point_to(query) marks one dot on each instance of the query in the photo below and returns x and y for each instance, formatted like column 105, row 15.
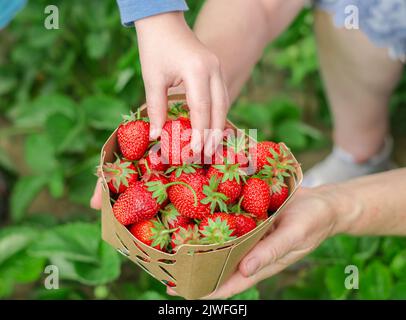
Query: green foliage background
column 63, row 91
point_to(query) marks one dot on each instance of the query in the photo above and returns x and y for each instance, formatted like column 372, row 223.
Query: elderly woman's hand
column 305, row 222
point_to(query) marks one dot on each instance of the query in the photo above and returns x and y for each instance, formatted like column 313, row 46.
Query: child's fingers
column 96, row 200
column 199, row 101
column 156, row 96
column 219, row 107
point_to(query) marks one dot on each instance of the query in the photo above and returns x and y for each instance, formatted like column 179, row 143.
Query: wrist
column 345, row 208
column 161, row 22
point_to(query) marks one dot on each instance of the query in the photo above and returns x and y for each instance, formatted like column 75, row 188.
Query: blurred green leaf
column 399, row 291
column 250, row 294
column 74, row 241
column 23, row 193
column 290, row 132
column 398, row 265
column 335, row 278
column 104, row 112
column 23, row 268
column 79, row 253
column 59, row 127
column 375, row 282
column 38, row 111
column 82, row 184
column 59, row 294
column 97, row 44
column 6, row 162
column 40, row 154
column 56, row 183
column 7, row 84
column 367, row 248
column 15, row 239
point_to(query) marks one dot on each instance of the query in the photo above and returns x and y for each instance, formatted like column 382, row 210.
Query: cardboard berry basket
column 195, row 270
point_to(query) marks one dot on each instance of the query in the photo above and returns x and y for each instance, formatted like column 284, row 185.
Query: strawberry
column 185, row 235
column 172, row 219
column 175, row 141
column 218, row 228
column 152, row 164
column 280, row 166
column 133, row 137
column 256, row 197
column 169, row 283
column 135, row 204
column 278, row 197
column 236, row 149
column 119, row 175
column 188, row 200
column 261, row 217
column 244, row 224
column 151, row 232
column 230, row 181
column 263, row 152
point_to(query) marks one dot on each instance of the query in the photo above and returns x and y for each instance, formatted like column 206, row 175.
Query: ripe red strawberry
column 152, row 164
column 175, row 141
column 278, row 197
column 230, row 181
column 187, row 200
column 279, row 167
column 185, row 235
column 151, row 232
column 256, row 196
column 135, row 204
column 172, row 219
column 244, row 224
column 119, row 175
column 218, row 228
column 164, row 182
column 235, row 149
column 261, row 218
column 169, row 283
column 265, row 150
column 133, row 137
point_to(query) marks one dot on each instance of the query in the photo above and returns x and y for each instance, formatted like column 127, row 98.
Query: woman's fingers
column 96, row 200
column 156, row 96
column 269, row 250
column 236, row 284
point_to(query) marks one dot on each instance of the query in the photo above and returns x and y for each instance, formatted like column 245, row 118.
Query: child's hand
column 171, row 55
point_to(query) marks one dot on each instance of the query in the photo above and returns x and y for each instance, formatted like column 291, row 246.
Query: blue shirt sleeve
column 133, row 10
column 8, row 9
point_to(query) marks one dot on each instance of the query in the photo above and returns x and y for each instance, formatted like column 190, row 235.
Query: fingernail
column 153, row 133
column 252, row 266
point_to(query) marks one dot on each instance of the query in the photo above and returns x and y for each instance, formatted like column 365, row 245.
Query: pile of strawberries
column 166, row 198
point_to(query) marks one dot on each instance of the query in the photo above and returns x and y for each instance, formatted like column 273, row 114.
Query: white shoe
column 340, row 166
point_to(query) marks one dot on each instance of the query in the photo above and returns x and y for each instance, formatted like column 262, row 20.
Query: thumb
column 269, row 250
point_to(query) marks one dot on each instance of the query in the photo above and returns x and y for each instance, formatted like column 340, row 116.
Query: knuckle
column 198, row 65
column 200, row 105
column 214, row 61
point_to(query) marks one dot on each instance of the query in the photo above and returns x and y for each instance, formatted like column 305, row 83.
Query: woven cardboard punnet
column 196, row 270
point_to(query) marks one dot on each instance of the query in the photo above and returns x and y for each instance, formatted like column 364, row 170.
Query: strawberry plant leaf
column 23, row 193
column 375, row 282
column 75, row 241
column 103, row 112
